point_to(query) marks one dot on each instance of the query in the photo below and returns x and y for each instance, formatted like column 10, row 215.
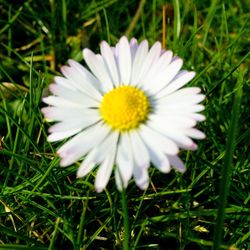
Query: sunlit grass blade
column 177, row 21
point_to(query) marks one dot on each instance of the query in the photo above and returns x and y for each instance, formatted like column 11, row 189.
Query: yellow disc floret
column 124, row 108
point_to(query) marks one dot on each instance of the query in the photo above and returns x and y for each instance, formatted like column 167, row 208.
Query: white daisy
column 127, row 111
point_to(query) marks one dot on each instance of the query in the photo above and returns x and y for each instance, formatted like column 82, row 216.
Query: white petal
column 103, row 149
column 58, row 136
column 73, row 95
column 177, row 163
column 62, row 103
column 197, row 117
column 67, row 113
column 153, row 137
column 79, row 145
column 124, row 60
column 178, row 109
column 139, row 150
column 98, row 154
column 157, row 157
column 148, row 63
column 176, row 135
column 124, row 162
column 141, row 177
column 115, row 53
column 172, row 121
column 139, row 59
column 180, row 80
column 82, row 140
column 84, row 169
column 133, row 48
column 80, row 83
column 166, row 58
column 156, row 68
column 86, row 75
column 77, row 123
column 110, row 62
column 185, row 101
column 118, row 180
column 194, row 133
column 191, row 147
column 105, row 169
column 64, row 82
column 99, row 69
column 181, row 97
column 165, row 77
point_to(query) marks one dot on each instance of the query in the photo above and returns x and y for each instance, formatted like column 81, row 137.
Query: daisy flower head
column 126, row 111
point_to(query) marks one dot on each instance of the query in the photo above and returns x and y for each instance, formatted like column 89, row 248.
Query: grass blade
column 228, row 164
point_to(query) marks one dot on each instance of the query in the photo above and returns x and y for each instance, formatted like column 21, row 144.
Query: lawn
column 44, row 206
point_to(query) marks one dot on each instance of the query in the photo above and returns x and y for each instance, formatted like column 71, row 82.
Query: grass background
column 43, row 206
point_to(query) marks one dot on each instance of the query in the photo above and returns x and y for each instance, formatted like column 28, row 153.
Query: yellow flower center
column 124, row 108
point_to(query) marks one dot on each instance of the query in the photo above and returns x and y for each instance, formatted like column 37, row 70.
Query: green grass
column 44, row 206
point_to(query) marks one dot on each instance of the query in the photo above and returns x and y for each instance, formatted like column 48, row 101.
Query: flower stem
column 126, row 220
